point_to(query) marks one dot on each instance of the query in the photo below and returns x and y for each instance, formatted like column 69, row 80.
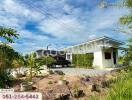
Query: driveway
column 81, row 71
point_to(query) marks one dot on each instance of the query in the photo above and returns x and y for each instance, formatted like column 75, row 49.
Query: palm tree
column 32, row 64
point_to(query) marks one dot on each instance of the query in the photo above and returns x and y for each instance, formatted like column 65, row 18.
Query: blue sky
column 59, row 22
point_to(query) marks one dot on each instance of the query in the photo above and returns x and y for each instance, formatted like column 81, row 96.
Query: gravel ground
column 81, row 71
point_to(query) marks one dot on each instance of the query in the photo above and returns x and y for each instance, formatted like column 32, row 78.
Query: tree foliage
column 128, row 3
column 127, row 19
column 129, row 51
column 7, row 56
column 8, row 34
column 127, row 57
column 30, row 63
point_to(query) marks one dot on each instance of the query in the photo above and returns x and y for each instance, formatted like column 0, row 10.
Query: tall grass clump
column 122, row 88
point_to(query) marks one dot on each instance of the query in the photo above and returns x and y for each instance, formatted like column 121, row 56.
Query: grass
column 120, row 88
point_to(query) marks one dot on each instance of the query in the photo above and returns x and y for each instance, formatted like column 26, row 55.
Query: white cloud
column 61, row 28
column 33, row 36
column 75, row 26
column 71, row 28
column 17, row 9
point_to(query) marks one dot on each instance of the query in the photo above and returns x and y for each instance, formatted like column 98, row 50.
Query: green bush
column 5, row 80
column 46, row 60
column 50, row 82
column 82, row 60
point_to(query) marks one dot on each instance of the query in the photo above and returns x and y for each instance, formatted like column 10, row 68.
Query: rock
column 62, row 97
column 79, row 94
column 85, row 79
column 26, row 86
column 62, row 82
column 90, row 86
column 96, row 87
column 50, row 72
column 51, row 90
column 59, row 72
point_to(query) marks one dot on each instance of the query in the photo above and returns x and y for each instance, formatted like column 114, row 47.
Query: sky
column 60, row 23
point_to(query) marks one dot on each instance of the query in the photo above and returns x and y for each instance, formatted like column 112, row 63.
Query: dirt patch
column 51, row 90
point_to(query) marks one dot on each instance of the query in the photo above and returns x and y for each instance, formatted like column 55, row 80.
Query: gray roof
column 106, row 38
column 98, row 39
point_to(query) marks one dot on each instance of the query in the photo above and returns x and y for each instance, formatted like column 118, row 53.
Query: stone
column 59, row 72
column 26, row 86
column 79, row 94
column 62, row 82
column 62, row 97
column 96, row 87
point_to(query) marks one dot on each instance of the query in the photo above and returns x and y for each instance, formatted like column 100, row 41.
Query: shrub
column 50, row 82
column 82, row 60
column 6, row 80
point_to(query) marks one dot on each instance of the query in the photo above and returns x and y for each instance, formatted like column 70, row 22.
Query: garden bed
column 75, row 87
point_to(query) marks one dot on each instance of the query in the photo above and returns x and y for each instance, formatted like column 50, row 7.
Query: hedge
column 82, row 60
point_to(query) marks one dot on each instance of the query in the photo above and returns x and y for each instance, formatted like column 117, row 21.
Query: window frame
column 107, row 55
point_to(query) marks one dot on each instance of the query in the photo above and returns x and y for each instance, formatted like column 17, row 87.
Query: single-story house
column 104, row 49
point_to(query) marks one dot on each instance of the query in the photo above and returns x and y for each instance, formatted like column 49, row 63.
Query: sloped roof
column 106, row 38
column 99, row 39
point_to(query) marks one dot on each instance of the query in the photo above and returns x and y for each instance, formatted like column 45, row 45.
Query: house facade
column 104, row 49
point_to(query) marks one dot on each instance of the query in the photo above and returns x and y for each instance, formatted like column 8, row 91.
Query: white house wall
column 108, row 62
column 97, row 48
column 97, row 62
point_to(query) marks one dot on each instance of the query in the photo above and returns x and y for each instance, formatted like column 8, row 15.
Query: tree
column 129, row 52
column 32, row 64
column 7, row 55
column 8, row 34
column 127, row 19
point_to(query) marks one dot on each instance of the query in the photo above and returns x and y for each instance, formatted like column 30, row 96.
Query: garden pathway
column 82, row 71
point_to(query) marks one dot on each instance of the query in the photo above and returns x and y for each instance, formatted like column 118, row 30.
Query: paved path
column 81, row 71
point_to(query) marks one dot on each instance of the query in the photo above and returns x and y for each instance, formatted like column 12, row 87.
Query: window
column 107, row 55
column 68, row 57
